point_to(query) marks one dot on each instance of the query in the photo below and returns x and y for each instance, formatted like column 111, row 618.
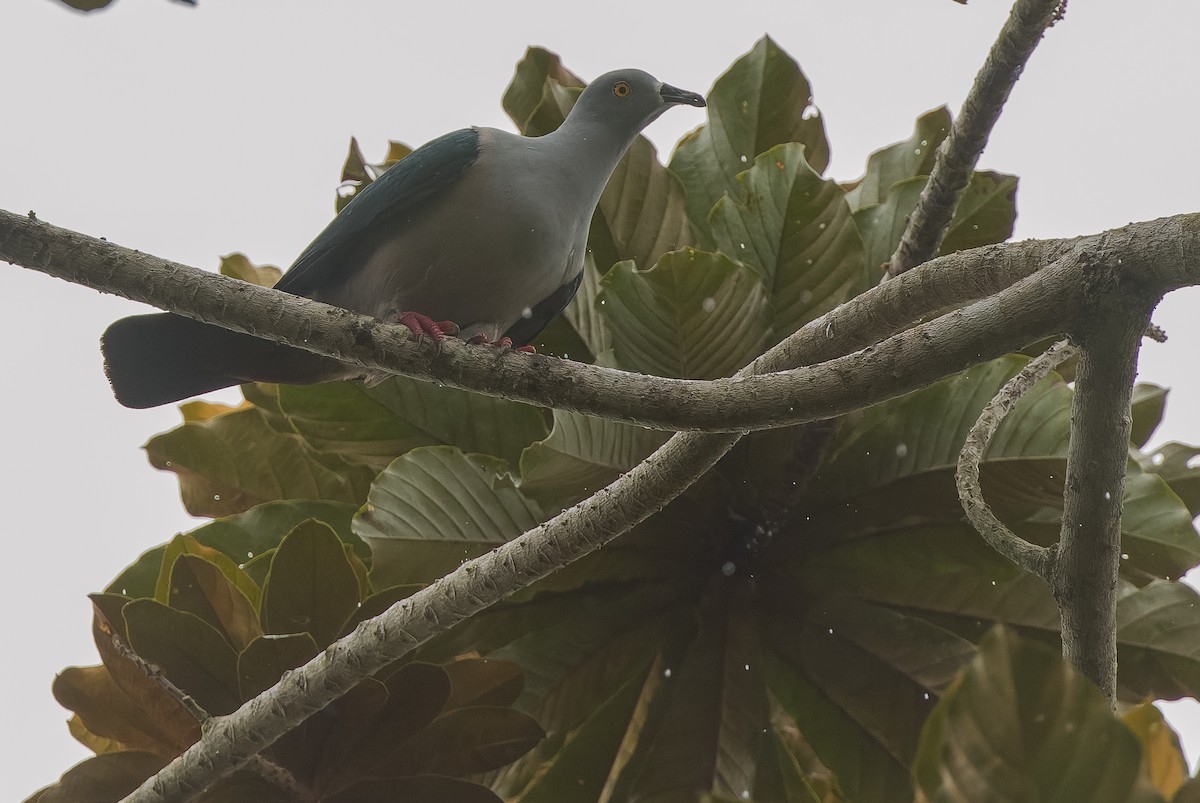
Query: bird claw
column 422, row 326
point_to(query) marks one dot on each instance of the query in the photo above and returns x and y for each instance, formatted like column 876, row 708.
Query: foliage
column 222, row 634
column 805, row 623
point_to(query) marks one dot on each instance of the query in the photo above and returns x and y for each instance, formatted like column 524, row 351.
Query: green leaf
column 435, row 507
column 986, row 213
column 378, row 424
column 1174, row 463
column 383, row 745
column 311, row 587
column 186, row 544
column 797, row 230
column 583, row 454
column 1149, row 402
column 262, row 663
column 1022, row 725
column 641, row 214
column 100, row 779
column 470, row 740
column 190, row 652
column 763, row 100
column 200, row 588
column 481, row 681
column 694, row 315
column 525, row 92
column 902, row 160
column 1158, row 641
column 231, row 462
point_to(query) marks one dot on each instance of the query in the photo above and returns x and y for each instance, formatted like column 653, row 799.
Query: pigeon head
column 630, row 99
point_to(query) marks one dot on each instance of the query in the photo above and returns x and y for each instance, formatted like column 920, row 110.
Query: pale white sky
column 193, row 132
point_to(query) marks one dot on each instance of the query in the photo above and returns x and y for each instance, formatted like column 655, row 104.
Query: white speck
column 346, row 190
column 901, row 449
column 1124, row 556
column 747, row 667
column 808, row 262
column 744, row 159
column 249, row 554
column 167, row 464
column 993, row 582
column 666, row 673
column 742, row 246
column 975, row 226
column 602, row 302
column 527, row 313
column 728, row 568
column 917, row 151
column 831, row 631
column 925, row 695
column 1107, row 496
column 1157, row 459
column 810, row 111
column 805, row 296
column 709, row 304
column 924, row 142
column 821, row 226
column 216, row 497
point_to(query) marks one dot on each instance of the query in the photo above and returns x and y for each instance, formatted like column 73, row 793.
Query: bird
column 479, row 233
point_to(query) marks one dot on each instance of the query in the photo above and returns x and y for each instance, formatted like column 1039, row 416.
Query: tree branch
column 960, row 152
column 1085, row 570
column 1162, row 254
column 1030, row 557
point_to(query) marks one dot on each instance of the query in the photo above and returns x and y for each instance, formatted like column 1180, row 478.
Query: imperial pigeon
column 479, row 233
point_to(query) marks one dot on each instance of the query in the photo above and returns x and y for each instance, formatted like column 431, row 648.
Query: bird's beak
column 673, row 96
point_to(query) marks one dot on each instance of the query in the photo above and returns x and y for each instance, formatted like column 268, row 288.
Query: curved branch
column 1161, row 254
column 960, row 152
column 1031, row 557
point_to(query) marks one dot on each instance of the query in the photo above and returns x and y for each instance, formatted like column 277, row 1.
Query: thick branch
column 960, row 152
column 1031, row 557
column 1085, row 571
column 1161, row 254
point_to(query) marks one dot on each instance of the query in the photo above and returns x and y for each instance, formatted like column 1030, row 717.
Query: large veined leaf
column 1022, row 725
column 902, row 160
column 797, row 230
column 435, row 507
column 583, row 454
column 763, row 100
column 985, row 215
column 375, row 425
column 1176, row 464
column 230, row 462
column 694, row 315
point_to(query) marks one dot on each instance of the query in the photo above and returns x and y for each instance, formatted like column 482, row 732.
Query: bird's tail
column 157, row 359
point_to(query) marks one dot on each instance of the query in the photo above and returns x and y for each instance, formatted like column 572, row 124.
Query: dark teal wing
column 383, row 208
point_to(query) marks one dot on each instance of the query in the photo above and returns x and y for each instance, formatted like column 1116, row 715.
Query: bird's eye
column 622, row 89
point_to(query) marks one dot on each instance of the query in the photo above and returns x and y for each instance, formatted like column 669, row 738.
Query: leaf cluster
column 210, row 635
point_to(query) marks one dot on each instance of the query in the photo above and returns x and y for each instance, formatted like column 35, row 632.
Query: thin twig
column 960, row 152
column 1031, row 557
column 267, row 769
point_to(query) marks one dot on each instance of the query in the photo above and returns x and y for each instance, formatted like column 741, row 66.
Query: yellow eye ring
column 622, row 89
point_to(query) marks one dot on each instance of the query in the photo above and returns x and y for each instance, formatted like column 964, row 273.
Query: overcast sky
column 193, row 132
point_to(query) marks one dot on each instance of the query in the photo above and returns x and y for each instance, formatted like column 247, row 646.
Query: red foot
column 422, row 325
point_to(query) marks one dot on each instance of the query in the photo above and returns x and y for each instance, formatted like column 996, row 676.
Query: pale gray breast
column 512, row 231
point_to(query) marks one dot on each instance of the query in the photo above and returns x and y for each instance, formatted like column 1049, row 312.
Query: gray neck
column 590, row 147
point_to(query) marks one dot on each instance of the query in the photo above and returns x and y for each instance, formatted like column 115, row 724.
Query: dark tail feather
column 158, row 359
